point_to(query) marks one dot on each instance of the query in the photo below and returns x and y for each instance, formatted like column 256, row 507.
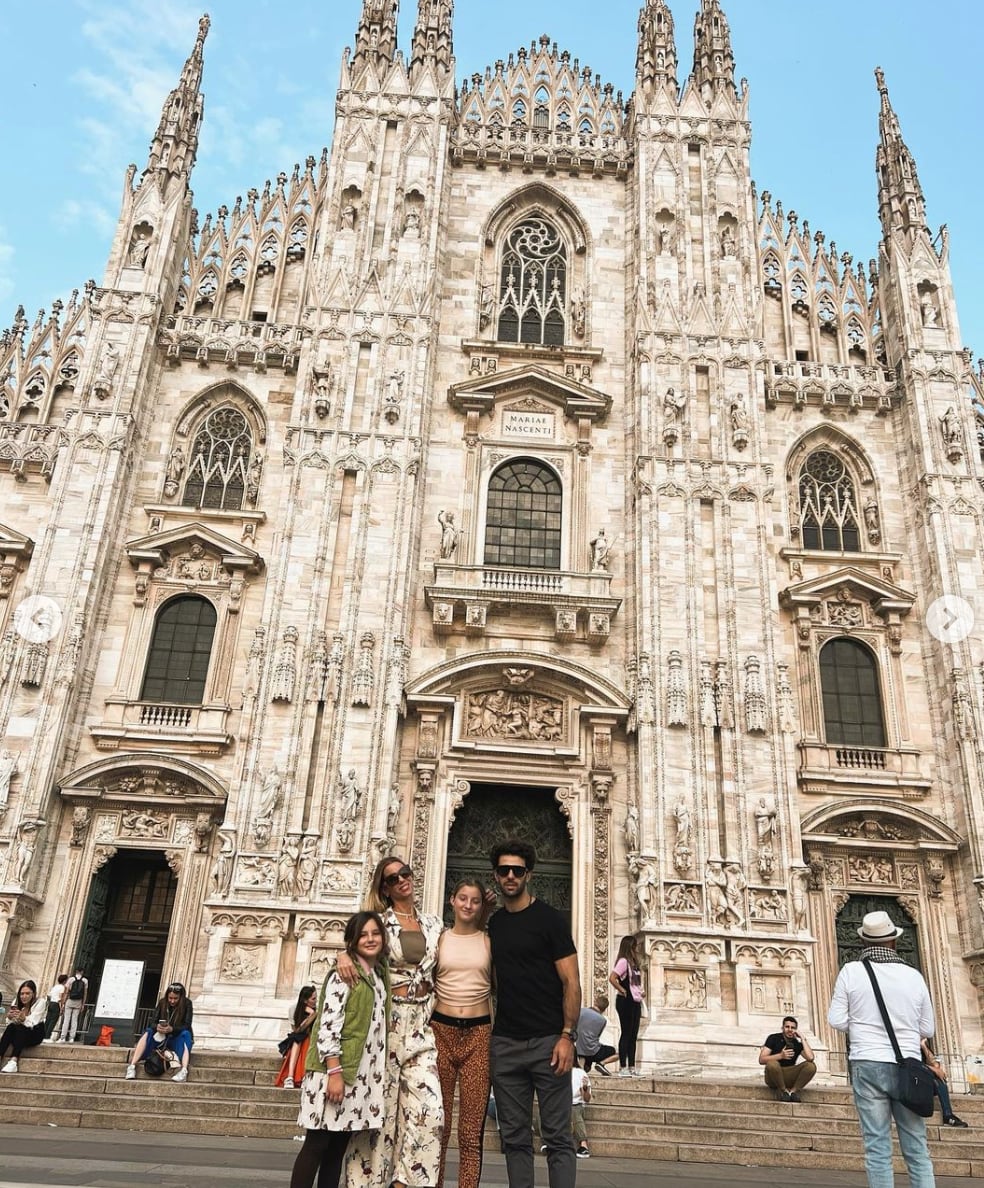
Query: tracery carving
column 676, row 694
column 364, row 678
column 285, row 669
column 756, row 720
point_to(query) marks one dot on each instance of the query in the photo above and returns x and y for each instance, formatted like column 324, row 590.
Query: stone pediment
column 160, row 547
column 136, row 779
column 850, row 584
column 578, row 401
column 881, row 823
column 14, row 544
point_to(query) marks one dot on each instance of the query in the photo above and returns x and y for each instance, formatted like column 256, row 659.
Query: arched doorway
column 493, row 812
column 128, row 917
column 849, row 944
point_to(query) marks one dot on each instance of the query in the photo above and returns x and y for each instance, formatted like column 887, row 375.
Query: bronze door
column 849, row 944
column 494, row 812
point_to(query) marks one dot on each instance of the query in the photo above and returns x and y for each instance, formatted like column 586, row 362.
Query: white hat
column 878, row 926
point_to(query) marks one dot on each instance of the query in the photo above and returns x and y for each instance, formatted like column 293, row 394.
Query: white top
column 853, row 1009
column 579, row 1078
column 57, row 992
column 36, row 1014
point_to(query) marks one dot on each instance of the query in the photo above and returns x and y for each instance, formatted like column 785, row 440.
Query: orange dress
column 298, row 1064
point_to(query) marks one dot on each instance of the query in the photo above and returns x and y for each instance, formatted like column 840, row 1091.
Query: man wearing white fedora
column 854, row 1009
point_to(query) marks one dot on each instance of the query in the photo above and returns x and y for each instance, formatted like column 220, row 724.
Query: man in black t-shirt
column 779, row 1054
column 538, row 999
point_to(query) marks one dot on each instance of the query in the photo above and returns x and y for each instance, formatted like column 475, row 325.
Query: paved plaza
column 49, row 1157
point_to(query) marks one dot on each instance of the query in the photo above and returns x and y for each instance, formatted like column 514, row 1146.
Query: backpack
column 76, row 990
column 154, row 1063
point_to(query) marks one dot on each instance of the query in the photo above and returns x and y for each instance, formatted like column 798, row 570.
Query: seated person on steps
column 940, row 1087
column 779, row 1054
column 590, row 1024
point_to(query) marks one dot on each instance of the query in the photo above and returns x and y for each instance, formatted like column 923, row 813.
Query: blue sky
column 84, row 81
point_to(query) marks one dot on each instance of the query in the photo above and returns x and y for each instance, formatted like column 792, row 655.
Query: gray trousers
column 521, row 1068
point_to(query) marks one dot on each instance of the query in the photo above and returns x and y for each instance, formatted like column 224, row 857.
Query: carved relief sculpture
column 8, row 768
column 285, row 669
column 735, row 890
column 267, row 805
column 109, row 364
column 333, row 671
column 645, row 702
column 134, row 823
column 349, row 795
column 35, row 664
column 317, row 668
column 799, row 880
column 202, row 830
column 504, row 714
column 631, row 828
column 307, row 867
column 765, row 829
column 253, row 476
column 721, row 910
column 683, row 855
column 286, row 865
column 81, row 818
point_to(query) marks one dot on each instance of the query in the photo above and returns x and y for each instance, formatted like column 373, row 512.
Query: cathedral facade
column 515, row 468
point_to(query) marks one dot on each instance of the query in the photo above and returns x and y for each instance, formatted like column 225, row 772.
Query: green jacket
column 355, row 1027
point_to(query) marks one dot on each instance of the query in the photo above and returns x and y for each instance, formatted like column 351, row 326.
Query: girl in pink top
column 626, row 977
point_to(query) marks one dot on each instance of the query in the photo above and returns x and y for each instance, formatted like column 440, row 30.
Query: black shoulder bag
column 914, row 1080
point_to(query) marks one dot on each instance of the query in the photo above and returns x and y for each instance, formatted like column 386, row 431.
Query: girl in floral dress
column 343, row 1090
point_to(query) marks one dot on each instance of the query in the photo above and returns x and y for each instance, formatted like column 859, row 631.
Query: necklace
column 405, row 915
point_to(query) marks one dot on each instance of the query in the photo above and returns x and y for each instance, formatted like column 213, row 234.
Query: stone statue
column 665, row 239
column 307, row 866
column 449, row 535
column 393, row 398
column 673, row 405
column 735, row 883
column 577, row 311
column 222, row 870
column 930, row 314
column 289, row 853
column 486, row 306
column 139, row 247
column 108, row 365
column 23, row 855
column 631, row 828
column 950, row 425
column 683, row 822
column 765, row 821
column 799, row 878
column 739, row 413
column 347, row 221
column 8, row 767
column 393, row 810
column 174, row 472
column 411, row 224
column 727, row 241
column 716, row 883
column 600, row 548
column 646, row 885
column 349, row 795
column 269, row 797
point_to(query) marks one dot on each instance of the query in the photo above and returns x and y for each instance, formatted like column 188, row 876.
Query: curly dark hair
column 513, row 845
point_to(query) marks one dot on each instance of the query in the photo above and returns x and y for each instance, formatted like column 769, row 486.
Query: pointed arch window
column 180, row 650
column 219, row 462
column 828, row 505
column 523, row 517
column 852, row 705
column 533, row 285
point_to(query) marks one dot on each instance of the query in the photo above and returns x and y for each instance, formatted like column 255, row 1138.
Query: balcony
column 841, row 768
column 463, row 597
column 194, row 729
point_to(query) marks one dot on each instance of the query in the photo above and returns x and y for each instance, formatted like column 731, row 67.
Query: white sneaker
column 131, row 1073
column 180, row 1076
column 638, row 1072
column 625, row 1072
column 289, row 1083
column 10, row 1066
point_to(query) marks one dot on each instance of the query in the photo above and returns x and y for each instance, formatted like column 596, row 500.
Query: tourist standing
column 626, row 977
column 343, row 1090
column 538, row 998
column 56, row 999
column 73, row 1005
column 874, row 1071
column 462, row 1024
column 406, row 1151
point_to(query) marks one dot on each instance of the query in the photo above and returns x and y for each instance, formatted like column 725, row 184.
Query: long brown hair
column 377, row 900
column 487, row 907
column 353, row 931
column 628, row 947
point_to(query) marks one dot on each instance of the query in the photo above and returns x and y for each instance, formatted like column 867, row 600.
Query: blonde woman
column 406, row 1152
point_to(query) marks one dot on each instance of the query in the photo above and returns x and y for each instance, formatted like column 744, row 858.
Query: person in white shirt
column 874, row 1071
column 581, row 1090
column 56, row 996
column 25, row 1024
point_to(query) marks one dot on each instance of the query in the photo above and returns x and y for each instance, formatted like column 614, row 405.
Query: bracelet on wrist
column 334, row 1070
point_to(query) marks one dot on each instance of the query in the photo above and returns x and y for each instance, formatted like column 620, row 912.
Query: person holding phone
column 25, row 1024
column 779, row 1055
column 298, row 1039
column 171, row 1032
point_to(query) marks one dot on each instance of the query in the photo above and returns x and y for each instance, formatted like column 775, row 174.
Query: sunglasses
column 391, row 880
column 507, row 868
column 177, row 988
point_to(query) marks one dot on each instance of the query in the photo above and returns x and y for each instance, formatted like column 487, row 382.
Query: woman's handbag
column 914, row 1079
column 154, row 1063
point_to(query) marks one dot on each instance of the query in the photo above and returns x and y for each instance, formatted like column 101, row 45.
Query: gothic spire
column 175, row 143
column 901, row 205
column 375, row 40
column 714, row 63
column 432, row 39
column 656, row 59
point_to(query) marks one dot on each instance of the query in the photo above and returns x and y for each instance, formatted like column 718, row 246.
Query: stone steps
column 689, row 1121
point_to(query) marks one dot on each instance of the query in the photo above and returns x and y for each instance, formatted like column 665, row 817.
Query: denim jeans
column 873, row 1081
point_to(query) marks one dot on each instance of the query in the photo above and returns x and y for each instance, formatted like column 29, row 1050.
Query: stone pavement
column 51, row 1157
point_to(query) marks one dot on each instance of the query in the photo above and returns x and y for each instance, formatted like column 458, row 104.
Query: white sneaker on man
column 131, row 1072
column 180, row 1076
column 10, row 1066
column 289, row 1083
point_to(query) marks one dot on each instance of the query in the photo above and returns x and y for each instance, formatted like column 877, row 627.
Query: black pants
column 322, row 1155
column 629, row 1016
column 17, row 1037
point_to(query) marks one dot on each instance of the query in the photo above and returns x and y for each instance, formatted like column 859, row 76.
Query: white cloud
column 84, row 215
